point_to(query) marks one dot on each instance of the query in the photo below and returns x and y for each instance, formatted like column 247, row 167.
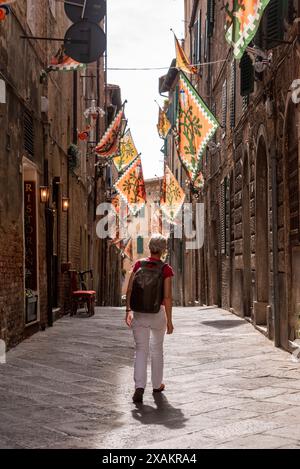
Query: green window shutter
column 224, row 106
column 273, row 23
column 210, row 17
column 222, row 215
column 232, row 94
column 247, row 75
column 140, row 245
column 195, row 42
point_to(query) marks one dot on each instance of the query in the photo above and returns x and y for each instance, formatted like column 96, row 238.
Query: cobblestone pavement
column 227, row 387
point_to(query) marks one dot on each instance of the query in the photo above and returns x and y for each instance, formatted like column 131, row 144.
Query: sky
column 139, row 36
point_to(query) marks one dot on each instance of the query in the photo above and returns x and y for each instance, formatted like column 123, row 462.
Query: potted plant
column 73, row 155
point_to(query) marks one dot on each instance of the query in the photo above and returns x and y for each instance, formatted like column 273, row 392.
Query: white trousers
column 149, row 332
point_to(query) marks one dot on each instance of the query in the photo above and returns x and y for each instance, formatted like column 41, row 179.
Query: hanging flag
column 62, row 62
column 128, row 152
column 164, row 125
column 121, row 209
column 197, row 180
column 83, row 135
column 110, row 142
column 131, row 187
column 243, row 18
column 182, row 62
column 128, row 249
column 195, row 126
column 172, row 196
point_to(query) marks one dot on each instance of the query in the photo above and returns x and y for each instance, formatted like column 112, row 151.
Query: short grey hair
column 157, row 243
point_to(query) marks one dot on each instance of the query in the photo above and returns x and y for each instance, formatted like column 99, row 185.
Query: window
column 28, row 133
column 247, row 75
column 224, row 106
column 232, row 94
column 210, row 17
column 140, row 245
column 195, row 43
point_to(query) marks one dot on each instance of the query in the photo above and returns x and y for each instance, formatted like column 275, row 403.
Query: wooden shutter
column 222, row 208
column 273, row 24
column 227, row 216
column 199, row 51
column 224, row 106
column 210, row 17
column 140, row 245
column 195, row 43
column 247, row 75
column 232, row 94
column 28, row 133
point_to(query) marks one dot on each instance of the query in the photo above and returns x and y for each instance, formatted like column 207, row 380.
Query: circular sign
column 91, row 10
column 85, row 42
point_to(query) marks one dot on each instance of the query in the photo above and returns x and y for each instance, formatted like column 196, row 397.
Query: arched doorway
column 262, row 235
column 247, row 300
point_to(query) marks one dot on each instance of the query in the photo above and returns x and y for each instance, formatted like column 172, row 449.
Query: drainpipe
column 49, row 231
column 274, row 162
column 275, row 248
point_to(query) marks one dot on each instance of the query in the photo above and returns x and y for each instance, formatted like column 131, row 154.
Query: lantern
column 44, row 194
column 65, row 204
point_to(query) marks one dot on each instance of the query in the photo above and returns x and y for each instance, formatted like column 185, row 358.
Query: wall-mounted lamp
column 65, row 204
column 44, row 194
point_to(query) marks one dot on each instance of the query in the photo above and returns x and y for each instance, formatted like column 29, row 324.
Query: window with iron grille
column 28, row 133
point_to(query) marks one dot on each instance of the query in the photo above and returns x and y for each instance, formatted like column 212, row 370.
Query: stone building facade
column 250, row 262
column 40, row 116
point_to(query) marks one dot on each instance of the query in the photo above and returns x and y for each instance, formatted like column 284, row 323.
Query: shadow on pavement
column 163, row 414
column 223, row 324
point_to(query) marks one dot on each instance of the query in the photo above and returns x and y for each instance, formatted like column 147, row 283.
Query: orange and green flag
column 128, row 249
column 128, row 152
column 109, row 144
column 131, row 186
column 63, row 63
column 243, row 19
column 172, row 197
column 182, row 62
column 195, row 127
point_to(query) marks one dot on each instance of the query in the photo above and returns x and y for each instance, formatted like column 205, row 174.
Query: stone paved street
column 227, row 387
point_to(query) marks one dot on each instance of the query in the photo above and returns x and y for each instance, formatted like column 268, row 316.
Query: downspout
column 49, row 231
column 274, row 163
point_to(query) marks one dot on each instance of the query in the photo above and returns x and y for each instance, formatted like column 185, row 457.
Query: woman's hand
column 170, row 327
column 129, row 318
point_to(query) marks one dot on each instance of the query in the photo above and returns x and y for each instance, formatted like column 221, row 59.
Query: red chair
column 83, row 296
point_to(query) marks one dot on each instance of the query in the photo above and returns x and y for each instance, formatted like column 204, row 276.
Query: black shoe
column 138, row 395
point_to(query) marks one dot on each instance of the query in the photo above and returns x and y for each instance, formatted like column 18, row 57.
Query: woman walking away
column 149, row 314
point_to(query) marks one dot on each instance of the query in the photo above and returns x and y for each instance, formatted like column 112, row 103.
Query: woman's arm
column 168, row 302
column 129, row 315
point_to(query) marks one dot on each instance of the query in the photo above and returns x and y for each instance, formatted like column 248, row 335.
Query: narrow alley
column 226, row 387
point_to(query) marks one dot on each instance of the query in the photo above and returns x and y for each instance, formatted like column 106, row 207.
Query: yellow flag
column 172, row 196
column 164, row 124
column 128, row 152
column 182, row 62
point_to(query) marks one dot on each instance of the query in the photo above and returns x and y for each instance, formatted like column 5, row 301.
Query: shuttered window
column 140, row 245
column 28, row 133
column 195, row 42
column 210, row 17
column 232, row 94
column 274, row 28
column 293, row 178
column 222, row 208
column 247, row 75
column 224, row 106
column 199, row 53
